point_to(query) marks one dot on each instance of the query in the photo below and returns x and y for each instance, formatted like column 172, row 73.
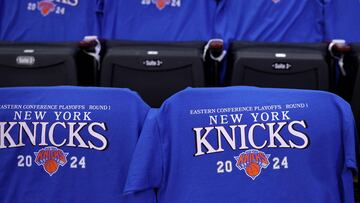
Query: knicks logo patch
column 252, row 162
column 46, row 7
column 50, row 158
column 161, row 4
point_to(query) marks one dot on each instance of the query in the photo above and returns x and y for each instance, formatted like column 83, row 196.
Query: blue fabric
column 48, row 20
column 246, row 144
column 270, row 20
column 95, row 129
column 342, row 20
column 159, row 20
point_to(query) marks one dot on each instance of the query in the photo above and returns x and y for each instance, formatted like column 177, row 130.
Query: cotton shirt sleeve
column 349, row 137
column 146, row 168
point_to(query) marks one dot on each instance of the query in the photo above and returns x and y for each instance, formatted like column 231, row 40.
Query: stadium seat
column 26, row 64
column 355, row 101
column 44, row 64
column 354, row 77
column 154, row 70
column 247, row 144
column 286, row 65
column 74, row 142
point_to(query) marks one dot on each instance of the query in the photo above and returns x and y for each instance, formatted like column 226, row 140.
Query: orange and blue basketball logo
column 252, row 162
column 161, row 4
column 50, row 158
column 46, row 7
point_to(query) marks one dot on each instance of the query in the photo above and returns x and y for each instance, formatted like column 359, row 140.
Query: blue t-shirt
column 48, row 20
column 270, row 20
column 68, row 144
column 159, row 20
column 246, row 144
column 342, row 20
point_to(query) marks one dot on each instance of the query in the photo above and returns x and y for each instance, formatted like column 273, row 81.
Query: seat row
column 233, row 144
column 158, row 70
column 180, row 20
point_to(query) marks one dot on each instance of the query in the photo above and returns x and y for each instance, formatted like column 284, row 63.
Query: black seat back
column 285, row 65
column 38, row 64
column 354, row 78
column 154, row 70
